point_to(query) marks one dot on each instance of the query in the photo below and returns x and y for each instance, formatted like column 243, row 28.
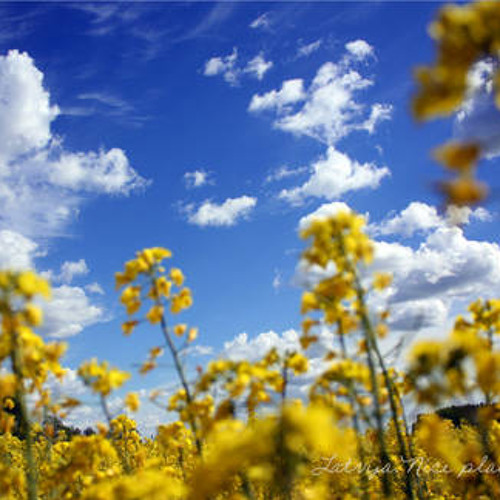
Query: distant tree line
column 59, row 428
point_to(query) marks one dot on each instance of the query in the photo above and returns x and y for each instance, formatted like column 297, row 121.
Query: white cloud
column 241, row 347
column 415, row 315
column 228, row 213
column 277, row 280
column 16, row 251
column 360, row 49
column 25, row 110
column 330, row 111
column 94, row 288
column 446, row 264
column 334, row 175
column 225, row 66
column 69, row 312
column 71, row 269
column 41, row 183
column 419, row 216
column 258, row 66
column 415, row 217
column 261, row 22
column 103, row 172
column 439, row 276
column 284, row 172
column 307, row 50
column 197, row 178
column 228, row 67
column 292, row 91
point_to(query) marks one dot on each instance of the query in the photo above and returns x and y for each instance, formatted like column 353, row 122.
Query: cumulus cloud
column 415, row 315
column 69, row 312
column 71, row 269
column 329, row 110
column 291, row 91
column 17, row 251
column 241, row 347
column 197, row 178
column 42, row 183
column 334, row 175
column 227, row 213
column 360, row 49
column 431, row 280
column 420, row 217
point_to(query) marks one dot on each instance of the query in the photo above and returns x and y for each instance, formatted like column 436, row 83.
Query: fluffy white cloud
column 415, row 315
column 330, row 111
column 69, row 312
column 307, row 50
column 334, row 175
column 16, row 251
column 42, row 183
column 102, row 172
column 419, row 216
column 225, row 66
column 432, row 280
column 71, row 269
column 25, row 110
column 241, row 347
column 226, row 214
column 291, row 91
column 258, row 66
column 446, row 264
column 197, row 178
column 360, row 49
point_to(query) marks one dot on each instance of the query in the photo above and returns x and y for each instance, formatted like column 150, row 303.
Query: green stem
column 179, row 368
column 25, row 423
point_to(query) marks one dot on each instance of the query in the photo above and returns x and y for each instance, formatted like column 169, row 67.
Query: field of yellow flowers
column 349, row 438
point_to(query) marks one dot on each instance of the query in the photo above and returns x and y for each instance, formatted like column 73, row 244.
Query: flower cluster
column 465, row 34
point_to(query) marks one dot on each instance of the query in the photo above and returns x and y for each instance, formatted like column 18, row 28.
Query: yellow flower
column 132, row 401
column 180, row 329
column 176, row 276
column 298, row 363
column 29, row 284
column 128, row 326
column 33, row 315
column 457, row 155
column 155, row 352
column 382, row 330
column 192, row 334
column 163, row 286
column 155, row 314
column 147, row 366
column 382, row 280
column 464, row 191
column 309, row 302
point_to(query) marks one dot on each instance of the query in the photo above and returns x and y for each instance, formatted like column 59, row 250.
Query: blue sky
column 213, row 129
